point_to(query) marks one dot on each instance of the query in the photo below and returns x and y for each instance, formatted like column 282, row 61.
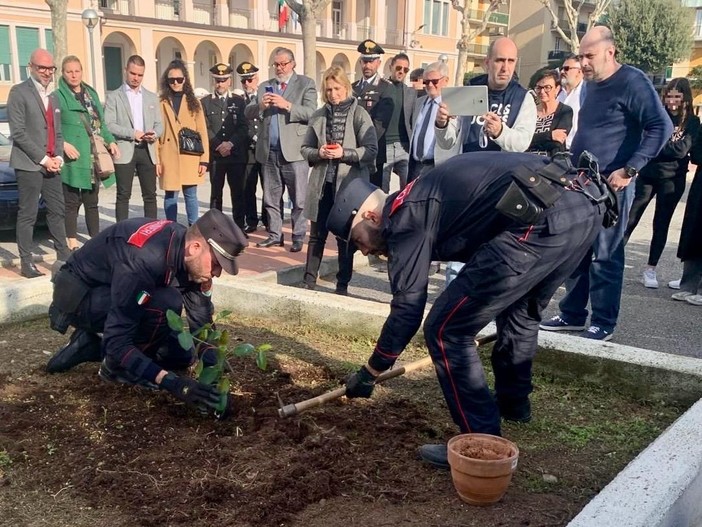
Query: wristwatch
column 630, row 172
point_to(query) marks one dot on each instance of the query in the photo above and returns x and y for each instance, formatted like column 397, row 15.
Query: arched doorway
column 321, row 68
column 206, row 55
column 239, row 54
column 116, row 49
column 343, row 61
column 168, row 49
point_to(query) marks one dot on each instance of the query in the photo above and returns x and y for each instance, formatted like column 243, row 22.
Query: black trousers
column 317, row 241
column 253, row 175
column 510, row 280
column 153, row 336
column 73, row 198
column 31, row 185
column 377, row 178
column 146, row 172
column 667, row 192
column 235, row 176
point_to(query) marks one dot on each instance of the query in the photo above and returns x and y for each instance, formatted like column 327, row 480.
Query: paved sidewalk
column 253, row 261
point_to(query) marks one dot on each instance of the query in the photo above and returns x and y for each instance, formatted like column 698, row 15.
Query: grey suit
column 282, row 163
column 29, row 128
column 134, row 157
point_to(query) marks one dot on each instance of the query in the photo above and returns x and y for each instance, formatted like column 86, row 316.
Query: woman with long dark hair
column 664, row 176
column 340, row 145
column 180, row 109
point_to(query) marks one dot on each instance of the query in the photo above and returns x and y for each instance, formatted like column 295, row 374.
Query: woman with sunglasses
column 340, row 145
column 180, row 109
column 553, row 119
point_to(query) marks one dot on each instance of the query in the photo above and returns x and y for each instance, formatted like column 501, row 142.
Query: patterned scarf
column 336, row 129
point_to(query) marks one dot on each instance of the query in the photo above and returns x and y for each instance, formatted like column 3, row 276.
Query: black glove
column 192, row 392
column 360, row 384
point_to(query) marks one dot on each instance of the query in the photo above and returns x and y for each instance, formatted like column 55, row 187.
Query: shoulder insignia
column 145, row 232
column 400, row 198
column 143, row 298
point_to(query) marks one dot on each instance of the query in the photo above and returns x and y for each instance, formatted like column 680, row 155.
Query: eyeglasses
column 244, row 81
column 402, row 68
column 568, row 68
column 435, row 82
column 544, row 88
column 220, row 81
column 280, row 64
column 43, row 69
column 176, row 80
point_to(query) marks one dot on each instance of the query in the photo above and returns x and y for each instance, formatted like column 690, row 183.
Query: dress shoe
column 270, row 242
column 296, row 246
column 29, row 270
column 341, row 290
column 250, row 229
column 83, row 347
column 435, row 455
column 515, row 410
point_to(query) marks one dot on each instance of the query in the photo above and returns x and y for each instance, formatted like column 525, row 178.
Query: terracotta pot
column 481, row 466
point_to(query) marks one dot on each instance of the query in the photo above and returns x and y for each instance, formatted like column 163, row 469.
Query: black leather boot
column 83, row 347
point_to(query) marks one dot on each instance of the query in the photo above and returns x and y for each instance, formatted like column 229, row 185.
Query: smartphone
column 269, row 89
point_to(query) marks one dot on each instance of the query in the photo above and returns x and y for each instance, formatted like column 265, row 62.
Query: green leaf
column 265, row 347
column 202, row 334
column 185, row 340
column 224, row 339
column 222, row 405
column 223, row 385
column 262, row 360
column 210, row 375
column 223, row 314
column 174, row 320
column 244, row 349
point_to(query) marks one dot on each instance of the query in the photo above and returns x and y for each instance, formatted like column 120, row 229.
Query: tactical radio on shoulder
column 533, row 191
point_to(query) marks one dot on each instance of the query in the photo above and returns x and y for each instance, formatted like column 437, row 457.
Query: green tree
column 565, row 22
column 695, row 76
column 652, row 34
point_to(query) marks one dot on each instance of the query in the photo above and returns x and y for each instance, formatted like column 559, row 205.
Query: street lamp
column 443, row 58
column 90, row 20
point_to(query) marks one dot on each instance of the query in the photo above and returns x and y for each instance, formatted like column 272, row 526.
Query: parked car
column 9, row 196
column 4, row 123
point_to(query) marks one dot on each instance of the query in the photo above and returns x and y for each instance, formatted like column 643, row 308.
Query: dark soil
column 75, row 451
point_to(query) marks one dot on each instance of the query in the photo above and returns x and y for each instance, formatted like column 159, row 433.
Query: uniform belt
column 428, row 162
column 141, row 144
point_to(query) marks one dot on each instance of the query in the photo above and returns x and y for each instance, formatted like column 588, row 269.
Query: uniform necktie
column 423, row 130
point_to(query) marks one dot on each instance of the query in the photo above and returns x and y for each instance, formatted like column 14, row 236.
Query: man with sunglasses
column 573, row 92
column 248, row 77
column 399, row 128
column 37, row 149
column 423, row 141
column 229, row 142
column 116, row 290
column 372, row 92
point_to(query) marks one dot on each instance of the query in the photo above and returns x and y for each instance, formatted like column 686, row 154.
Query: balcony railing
column 564, row 25
column 116, row 7
column 363, row 32
column 497, row 17
column 202, row 13
column 558, row 54
column 477, row 49
column 166, row 11
column 240, row 18
column 394, row 37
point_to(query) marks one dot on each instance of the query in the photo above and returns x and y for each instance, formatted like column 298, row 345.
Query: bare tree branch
column 468, row 35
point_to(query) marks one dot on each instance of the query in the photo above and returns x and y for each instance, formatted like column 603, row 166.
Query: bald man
column 37, row 150
column 508, row 125
column 624, row 124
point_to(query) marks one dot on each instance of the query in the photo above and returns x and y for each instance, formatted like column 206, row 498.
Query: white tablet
column 466, row 100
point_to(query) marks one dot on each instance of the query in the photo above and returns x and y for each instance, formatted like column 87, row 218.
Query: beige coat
column 180, row 169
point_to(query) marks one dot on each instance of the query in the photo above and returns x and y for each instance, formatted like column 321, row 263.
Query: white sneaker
column 649, row 278
column 695, row 300
column 681, row 295
column 674, row 284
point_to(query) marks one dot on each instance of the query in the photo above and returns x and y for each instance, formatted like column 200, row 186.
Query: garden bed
column 76, row 451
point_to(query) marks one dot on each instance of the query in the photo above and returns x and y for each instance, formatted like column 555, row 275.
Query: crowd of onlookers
column 275, row 132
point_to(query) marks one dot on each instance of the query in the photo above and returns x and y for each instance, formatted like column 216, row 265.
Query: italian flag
column 143, row 298
column 283, row 14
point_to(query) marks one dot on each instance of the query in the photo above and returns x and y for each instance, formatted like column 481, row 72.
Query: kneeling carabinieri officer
column 520, row 223
column 122, row 282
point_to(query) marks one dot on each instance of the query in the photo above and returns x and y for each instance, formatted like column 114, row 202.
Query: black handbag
column 190, row 142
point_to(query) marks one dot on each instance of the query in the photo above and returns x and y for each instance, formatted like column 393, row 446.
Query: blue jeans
column 600, row 275
column 170, row 204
